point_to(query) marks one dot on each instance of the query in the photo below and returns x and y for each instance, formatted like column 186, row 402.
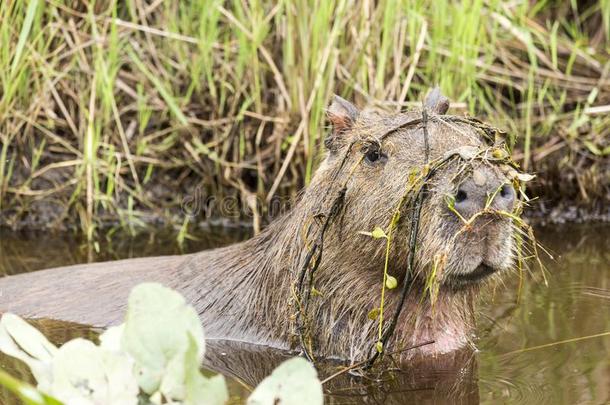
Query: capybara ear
column 436, row 102
column 342, row 115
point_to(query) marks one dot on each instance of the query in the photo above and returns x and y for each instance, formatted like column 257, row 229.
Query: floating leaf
column 294, row 382
column 160, row 346
column 391, row 282
column 78, row 372
column 373, row 314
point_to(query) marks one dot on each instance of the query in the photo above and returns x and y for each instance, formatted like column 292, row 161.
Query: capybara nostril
column 469, row 199
column 460, row 196
column 475, row 193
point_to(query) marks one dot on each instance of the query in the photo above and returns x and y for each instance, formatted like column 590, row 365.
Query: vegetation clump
column 152, row 358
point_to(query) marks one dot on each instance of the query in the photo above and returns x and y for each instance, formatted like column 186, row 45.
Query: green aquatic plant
column 154, row 357
column 292, row 382
column 25, row 392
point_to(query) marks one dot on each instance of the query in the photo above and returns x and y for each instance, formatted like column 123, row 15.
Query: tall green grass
column 113, row 112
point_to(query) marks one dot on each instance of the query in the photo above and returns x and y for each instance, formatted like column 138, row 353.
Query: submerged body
column 250, row 305
column 247, row 291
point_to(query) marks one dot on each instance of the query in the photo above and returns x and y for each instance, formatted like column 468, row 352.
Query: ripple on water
column 557, row 353
column 575, row 304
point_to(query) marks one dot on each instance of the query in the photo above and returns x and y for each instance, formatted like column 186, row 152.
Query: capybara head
column 381, row 160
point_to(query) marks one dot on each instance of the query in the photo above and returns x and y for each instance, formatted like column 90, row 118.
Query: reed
column 113, row 113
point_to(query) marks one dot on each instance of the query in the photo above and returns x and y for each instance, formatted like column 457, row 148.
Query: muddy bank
column 564, row 212
column 556, row 198
column 47, row 215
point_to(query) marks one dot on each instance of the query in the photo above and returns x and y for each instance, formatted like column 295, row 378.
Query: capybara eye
column 373, row 155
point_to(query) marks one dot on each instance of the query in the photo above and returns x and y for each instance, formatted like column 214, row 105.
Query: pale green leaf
column 110, row 340
column 86, row 374
column 294, row 382
column 28, row 394
column 156, row 335
column 21, row 340
column 378, row 233
column 25, row 32
column 391, row 282
column 201, row 390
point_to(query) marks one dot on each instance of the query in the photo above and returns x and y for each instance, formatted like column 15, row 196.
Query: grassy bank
column 118, row 111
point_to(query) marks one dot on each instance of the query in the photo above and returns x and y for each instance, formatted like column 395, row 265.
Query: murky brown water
column 528, row 352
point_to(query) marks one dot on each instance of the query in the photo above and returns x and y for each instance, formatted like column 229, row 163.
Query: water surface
column 534, row 347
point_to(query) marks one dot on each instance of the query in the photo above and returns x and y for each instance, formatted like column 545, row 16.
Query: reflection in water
column 28, row 251
column 507, row 368
column 575, row 304
column 450, row 378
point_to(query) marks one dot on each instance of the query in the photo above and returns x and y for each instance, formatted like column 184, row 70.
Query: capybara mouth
column 480, row 273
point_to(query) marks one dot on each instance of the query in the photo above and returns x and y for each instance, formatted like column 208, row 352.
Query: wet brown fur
column 246, row 291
